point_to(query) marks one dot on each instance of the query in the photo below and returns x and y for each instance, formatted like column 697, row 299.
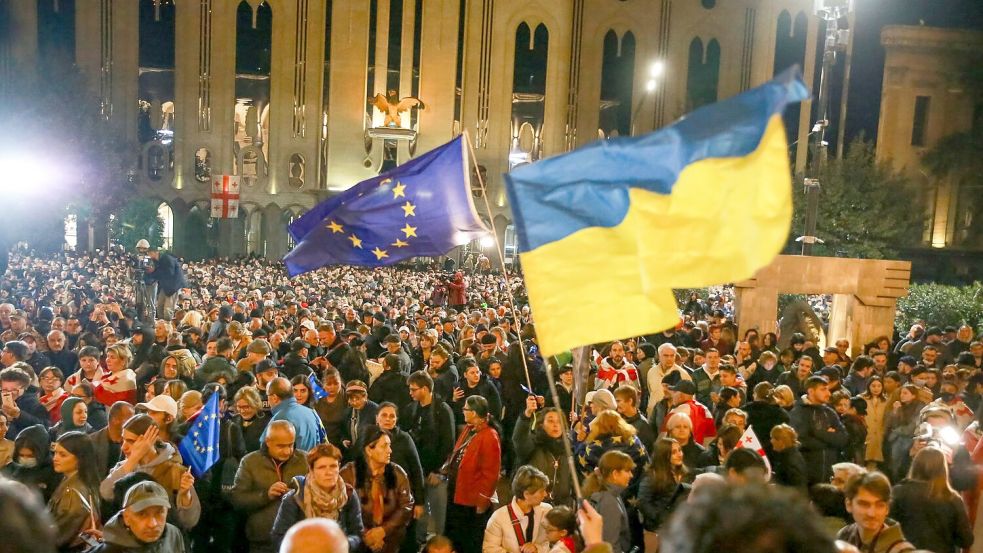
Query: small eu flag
column 421, row 208
column 319, row 392
column 200, row 448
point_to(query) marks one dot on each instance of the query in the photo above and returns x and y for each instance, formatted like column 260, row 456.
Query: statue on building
column 392, row 106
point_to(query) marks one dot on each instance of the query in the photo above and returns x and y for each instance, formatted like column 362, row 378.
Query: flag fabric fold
column 319, row 392
column 607, row 231
column 200, row 448
column 421, row 208
column 750, row 441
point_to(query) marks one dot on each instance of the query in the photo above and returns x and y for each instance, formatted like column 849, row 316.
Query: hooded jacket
column 42, row 476
column 67, row 424
column 889, row 540
column 293, row 365
column 166, row 469
column 117, row 538
column 214, row 368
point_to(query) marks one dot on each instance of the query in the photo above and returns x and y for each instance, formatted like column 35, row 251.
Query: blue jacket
column 292, row 512
column 305, row 421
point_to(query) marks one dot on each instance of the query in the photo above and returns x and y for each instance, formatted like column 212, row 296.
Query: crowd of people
column 408, row 408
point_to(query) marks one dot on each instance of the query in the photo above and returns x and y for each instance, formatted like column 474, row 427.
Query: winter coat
column 294, row 365
column 788, row 468
column 397, row 501
column 432, row 430
column 889, row 540
column 875, row 421
column 291, row 511
column 656, row 506
column 253, row 431
column 31, row 412
column 214, row 368
column 819, row 447
column 166, row 469
column 117, row 538
column 444, row 381
column 257, row 472
column 609, row 505
column 762, row 416
column 853, row 451
column 405, row 455
column 939, row 525
column 484, row 389
column 535, row 448
column 304, row 420
column 479, row 468
column 390, row 386
column 69, row 513
column 41, row 477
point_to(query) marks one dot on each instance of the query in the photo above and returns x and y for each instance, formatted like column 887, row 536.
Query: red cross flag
column 750, row 441
column 225, row 197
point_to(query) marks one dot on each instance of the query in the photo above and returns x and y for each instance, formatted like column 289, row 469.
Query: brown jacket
column 397, row 502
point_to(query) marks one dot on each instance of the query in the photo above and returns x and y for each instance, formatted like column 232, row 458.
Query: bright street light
column 23, row 174
column 650, row 85
column 487, row 241
column 658, row 67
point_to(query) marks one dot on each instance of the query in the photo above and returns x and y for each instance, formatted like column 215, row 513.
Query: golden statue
column 392, row 106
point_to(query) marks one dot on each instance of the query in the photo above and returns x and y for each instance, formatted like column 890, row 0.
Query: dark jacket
column 820, row 447
column 101, row 443
column 645, row 431
column 656, row 506
column 616, row 530
column 294, row 365
column 118, row 539
column 789, row 469
column 292, row 511
column 365, row 417
column 31, row 412
column 214, row 368
column 41, row 477
column 253, row 430
column 762, row 416
column 444, row 382
column 432, row 430
column 257, row 472
column 66, row 360
column 397, row 500
column 533, row 447
column 484, row 389
column 405, row 455
column 939, row 525
column 98, row 418
column 390, row 386
column 168, row 274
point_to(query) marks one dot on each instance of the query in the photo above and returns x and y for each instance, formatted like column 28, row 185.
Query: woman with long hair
column 333, row 409
column 74, row 506
column 250, row 417
column 764, row 413
column 679, row 428
column 900, row 429
column 932, row 515
column 383, row 490
column 421, row 354
column 472, row 471
column 302, row 390
column 603, row 487
column 663, row 486
column 179, row 365
column 322, row 493
column 875, row 420
column 608, row 431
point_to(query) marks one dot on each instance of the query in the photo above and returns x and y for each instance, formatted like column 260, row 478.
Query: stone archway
column 865, row 292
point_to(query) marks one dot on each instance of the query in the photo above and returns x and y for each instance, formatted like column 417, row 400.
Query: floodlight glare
column 487, row 241
column 657, row 69
column 24, row 174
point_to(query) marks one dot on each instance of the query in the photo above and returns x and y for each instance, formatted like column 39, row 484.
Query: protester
column 663, row 488
column 931, row 514
column 603, row 487
column 542, row 448
column 31, row 464
column 520, row 526
column 142, row 527
column 868, row 499
column 74, row 505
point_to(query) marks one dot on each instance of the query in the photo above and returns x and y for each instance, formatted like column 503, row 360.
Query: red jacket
column 477, row 476
column 458, row 292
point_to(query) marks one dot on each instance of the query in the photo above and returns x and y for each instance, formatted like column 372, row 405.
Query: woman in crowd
column 784, row 397
column 875, row 420
column 322, row 493
column 472, row 472
column 334, row 408
column 474, row 383
column 444, row 374
column 404, row 451
column 728, row 398
column 179, row 365
column 74, row 505
column 603, row 488
column 74, row 418
column 120, row 384
column 609, row 432
column 543, row 449
column 50, row 379
column 383, row 490
column 250, row 417
column 680, row 428
column 302, row 391
column 787, row 463
column 663, row 487
column 421, row 355
column 31, row 463
column 900, row 429
column 764, row 413
column 390, row 386
column 932, row 515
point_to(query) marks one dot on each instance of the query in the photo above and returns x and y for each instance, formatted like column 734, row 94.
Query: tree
column 136, row 220
column 866, row 209
column 942, row 305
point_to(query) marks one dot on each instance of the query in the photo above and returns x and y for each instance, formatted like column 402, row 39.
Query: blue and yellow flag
column 607, row 231
column 421, row 208
column 200, row 448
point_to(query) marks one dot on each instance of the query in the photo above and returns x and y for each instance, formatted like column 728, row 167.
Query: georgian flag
column 225, row 197
column 750, row 441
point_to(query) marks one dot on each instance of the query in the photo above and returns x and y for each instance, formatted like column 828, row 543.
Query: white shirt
column 655, row 376
column 500, row 534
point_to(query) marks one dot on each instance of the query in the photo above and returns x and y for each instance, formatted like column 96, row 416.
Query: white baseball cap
column 161, row 404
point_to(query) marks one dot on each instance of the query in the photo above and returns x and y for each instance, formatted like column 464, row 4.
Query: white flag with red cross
column 225, row 197
column 750, row 441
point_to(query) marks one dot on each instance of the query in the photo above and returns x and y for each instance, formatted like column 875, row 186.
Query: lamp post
column 834, row 13
column 656, row 71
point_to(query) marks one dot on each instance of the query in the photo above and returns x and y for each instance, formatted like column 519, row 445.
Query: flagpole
column 567, row 446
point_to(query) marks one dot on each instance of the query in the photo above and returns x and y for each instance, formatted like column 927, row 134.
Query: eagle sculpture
column 392, row 106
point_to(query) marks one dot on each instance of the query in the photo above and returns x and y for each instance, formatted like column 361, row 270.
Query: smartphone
column 8, row 399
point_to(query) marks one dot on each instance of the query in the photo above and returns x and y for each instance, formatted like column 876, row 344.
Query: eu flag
column 319, row 392
column 421, row 208
column 200, row 448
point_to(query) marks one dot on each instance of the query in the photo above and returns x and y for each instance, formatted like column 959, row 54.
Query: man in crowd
column 167, row 273
column 868, row 499
column 820, row 431
column 20, row 399
column 263, row 478
column 303, row 419
column 142, row 527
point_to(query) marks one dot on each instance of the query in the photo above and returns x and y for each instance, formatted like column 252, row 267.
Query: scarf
column 321, row 503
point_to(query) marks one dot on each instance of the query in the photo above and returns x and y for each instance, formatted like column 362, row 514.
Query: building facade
column 277, row 91
column 925, row 99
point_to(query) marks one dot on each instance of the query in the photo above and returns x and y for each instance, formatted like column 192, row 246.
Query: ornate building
column 276, row 91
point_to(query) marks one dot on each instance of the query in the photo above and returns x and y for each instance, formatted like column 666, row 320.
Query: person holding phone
column 19, row 399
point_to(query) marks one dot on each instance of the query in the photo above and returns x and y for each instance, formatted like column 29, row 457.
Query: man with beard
column 334, row 352
column 614, row 370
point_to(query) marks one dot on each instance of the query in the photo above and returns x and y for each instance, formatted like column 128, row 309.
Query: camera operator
column 164, row 271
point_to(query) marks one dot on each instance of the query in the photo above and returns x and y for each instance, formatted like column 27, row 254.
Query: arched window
column 617, row 79
column 254, row 47
column 167, row 217
column 528, row 92
column 703, row 73
column 790, row 49
column 254, row 232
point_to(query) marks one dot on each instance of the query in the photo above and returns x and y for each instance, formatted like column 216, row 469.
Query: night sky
column 868, row 54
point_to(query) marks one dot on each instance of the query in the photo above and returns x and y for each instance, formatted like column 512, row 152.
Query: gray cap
column 144, row 495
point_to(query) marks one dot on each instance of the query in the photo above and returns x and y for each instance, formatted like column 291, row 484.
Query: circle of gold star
column 399, row 190
column 380, row 254
column 335, row 227
column 409, row 231
column 408, row 209
column 356, row 241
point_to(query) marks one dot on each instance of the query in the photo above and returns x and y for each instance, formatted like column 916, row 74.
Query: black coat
column 168, row 274
column 789, row 469
column 934, row 524
column 445, row 382
column 406, row 456
column 252, row 432
column 390, row 386
column 294, row 365
column 819, row 446
column 432, row 430
column 762, row 416
column 31, row 413
column 484, row 389
column 41, row 477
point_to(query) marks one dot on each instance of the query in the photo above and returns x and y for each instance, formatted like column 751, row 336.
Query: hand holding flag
column 200, row 448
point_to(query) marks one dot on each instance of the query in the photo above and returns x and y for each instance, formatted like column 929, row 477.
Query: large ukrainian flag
column 607, row 231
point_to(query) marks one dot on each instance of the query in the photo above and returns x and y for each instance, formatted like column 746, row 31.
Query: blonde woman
column 609, row 432
column 783, row 396
column 121, row 382
column 788, row 464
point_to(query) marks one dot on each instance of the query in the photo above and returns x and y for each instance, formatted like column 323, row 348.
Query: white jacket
column 500, row 535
